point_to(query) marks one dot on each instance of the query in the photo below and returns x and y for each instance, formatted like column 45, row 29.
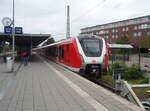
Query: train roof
column 63, row 41
column 66, row 41
column 89, row 36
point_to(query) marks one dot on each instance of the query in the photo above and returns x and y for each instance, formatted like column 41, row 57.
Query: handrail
column 7, row 53
column 126, row 91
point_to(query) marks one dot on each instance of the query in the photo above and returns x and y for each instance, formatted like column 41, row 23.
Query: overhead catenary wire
column 56, row 35
column 88, row 11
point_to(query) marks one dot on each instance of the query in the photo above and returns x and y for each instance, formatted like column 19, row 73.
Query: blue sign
column 8, row 30
column 18, row 30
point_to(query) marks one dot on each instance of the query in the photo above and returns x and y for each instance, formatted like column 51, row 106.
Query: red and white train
column 86, row 54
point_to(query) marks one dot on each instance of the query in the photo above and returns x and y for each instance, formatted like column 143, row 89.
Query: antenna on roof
column 68, row 23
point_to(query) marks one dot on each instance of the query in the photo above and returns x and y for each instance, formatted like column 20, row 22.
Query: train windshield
column 92, row 47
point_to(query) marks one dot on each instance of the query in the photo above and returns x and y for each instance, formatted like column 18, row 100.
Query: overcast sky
column 49, row 16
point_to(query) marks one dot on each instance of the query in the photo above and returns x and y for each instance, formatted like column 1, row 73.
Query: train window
column 57, row 51
column 91, row 47
column 48, row 51
column 51, row 51
column 61, row 52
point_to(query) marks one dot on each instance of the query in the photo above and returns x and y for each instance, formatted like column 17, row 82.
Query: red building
column 137, row 30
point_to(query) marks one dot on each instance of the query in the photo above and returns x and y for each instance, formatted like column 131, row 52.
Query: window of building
column 123, row 29
column 113, row 36
column 97, row 33
column 106, row 31
column 127, row 28
column 144, row 26
column 116, row 30
column 139, row 33
column 148, row 33
column 135, row 34
column 135, row 27
column 148, row 26
column 113, row 30
column 139, row 27
column 107, row 36
column 101, row 32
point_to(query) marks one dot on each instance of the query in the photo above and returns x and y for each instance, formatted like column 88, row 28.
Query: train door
column 61, row 53
column 57, row 53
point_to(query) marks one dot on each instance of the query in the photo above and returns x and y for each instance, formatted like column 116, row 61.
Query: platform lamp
column 139, row 52
column 13, row 36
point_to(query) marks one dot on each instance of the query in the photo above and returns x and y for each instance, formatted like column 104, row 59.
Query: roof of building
column 25, row 39
column 120, row 46
column 116, row 22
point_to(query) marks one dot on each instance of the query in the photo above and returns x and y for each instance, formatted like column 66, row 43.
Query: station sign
column 18, row 30
column 7, row 30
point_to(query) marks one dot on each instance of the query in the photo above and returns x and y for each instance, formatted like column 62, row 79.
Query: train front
column 93, row 54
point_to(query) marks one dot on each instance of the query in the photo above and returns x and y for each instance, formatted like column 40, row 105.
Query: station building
column 22, row 41
column 136, row 30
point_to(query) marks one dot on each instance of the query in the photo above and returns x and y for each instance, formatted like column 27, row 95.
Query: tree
column 50, row 41
column 146, row 42
column 123, row 40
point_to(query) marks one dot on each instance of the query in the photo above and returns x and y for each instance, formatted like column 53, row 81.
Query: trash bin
column 9, row 63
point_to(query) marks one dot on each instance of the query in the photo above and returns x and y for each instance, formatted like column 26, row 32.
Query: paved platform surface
column 46, row 86
column 6, row 76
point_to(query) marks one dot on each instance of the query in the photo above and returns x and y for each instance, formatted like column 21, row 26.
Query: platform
column 47, row 86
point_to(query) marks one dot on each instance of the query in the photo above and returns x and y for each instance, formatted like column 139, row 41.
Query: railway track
column 102, row 83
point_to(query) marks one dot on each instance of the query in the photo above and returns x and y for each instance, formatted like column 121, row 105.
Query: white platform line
column 83, row 94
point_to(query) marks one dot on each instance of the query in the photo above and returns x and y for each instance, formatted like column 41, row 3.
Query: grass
column 141, row 80
column 141, row 92
column 108, row 79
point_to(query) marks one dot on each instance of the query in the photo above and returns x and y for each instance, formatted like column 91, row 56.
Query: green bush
column 133, row 73
column 117, row 65
column 144, row 80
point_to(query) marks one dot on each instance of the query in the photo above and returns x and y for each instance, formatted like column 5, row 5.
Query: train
column 84, row 54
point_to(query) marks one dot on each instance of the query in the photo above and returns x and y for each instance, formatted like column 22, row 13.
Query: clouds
column 49, row 16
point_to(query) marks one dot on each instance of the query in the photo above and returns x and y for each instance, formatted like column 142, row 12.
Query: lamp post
column 139, row 53
column 13, row 36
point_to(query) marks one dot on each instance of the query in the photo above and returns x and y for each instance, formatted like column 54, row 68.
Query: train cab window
column 91, row 47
